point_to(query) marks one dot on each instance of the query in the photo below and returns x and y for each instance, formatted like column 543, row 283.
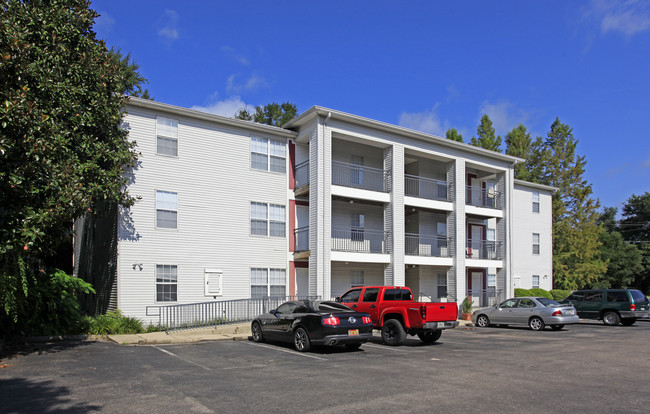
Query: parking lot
column 586, row 367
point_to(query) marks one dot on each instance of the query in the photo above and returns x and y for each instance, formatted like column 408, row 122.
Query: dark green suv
column 613, row 306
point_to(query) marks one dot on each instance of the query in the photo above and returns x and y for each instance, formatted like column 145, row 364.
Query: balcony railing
column 433, row 246
column 483, row 197
column 360, row 240
column 480, row 249
column 484, row 297
column 358, row 176
column 429, row 188
column 301, row 174
column 301, row 239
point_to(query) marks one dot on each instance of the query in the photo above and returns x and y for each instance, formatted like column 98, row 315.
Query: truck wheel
column 611, row 318
column 429, row 337
column 393, row 333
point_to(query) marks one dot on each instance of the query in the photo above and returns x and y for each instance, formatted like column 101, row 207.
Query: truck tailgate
column 441, row 311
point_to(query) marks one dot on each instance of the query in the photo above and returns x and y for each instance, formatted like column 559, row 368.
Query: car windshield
column 638, row 296
column 549, row 303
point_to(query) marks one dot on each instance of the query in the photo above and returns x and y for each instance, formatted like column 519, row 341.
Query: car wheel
column 482, row 321
column 536, row 323
column 256, row 329
column 429, row 337
column 393, row 333
column 353, row 346
column 611, row 318
column 301, row 340
column 628, row 321
column 557, row 327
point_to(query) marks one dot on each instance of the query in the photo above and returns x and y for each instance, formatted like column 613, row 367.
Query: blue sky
column 426, row 65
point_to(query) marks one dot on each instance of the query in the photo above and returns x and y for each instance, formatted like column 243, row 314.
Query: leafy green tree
column 62, row 144
column 635, row 228
column 576, row 233
column 132, row 81
column 623, row 259
column 270, row 114
column 454, row 135
column 487, row 137
column 518, row 144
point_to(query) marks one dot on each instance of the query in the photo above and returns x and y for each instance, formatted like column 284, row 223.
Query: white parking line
column 285, row 350
column 386, row 347
column 182, row 359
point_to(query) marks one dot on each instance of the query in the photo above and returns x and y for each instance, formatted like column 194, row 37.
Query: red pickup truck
column 393, row 310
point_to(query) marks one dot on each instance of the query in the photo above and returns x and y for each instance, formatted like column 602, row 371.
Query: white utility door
column 476, row 236
column 477, row 288
column 302, row 282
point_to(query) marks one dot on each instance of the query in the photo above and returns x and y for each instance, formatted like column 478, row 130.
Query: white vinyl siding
column 166, row 136
column 268, row 155
column 166, row 283
column 166, row 209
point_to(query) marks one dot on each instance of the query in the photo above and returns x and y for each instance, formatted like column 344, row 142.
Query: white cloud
column 104, row 22
column 233, row 54
column 253, row 83
column 227, row 107
column 504, row 116
column 427, row 121
column 168, row 23
column 628, row 17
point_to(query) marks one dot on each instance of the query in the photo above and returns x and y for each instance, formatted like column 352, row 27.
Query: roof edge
column 205, row 116
column 537, row 185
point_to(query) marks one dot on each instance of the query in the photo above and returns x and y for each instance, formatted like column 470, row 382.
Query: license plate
column 352, row 332
column 570, row 312
column 440, row 324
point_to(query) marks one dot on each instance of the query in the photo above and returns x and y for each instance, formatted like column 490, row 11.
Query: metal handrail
column 481, row 197
column 301, row 239
column 359, row 176
column 423, row 245
column 301, row 174
column 424, row 187
column 481, row 249
column 487, row 297
column 360, row 240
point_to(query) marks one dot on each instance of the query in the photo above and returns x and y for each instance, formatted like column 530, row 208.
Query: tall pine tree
column 518, row 144
column 487, row 137
column 453, row 135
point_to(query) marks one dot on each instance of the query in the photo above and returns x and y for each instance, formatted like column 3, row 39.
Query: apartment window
column 268, row 282
column 442, row 285
column 356, row 278
column 357, row 225
column 268, row 155
column 535, row 281
column 167, row 136
column 535, row 243
column 491, row 281
column 535, row 202
column 267, row 220
column 166, row 209
column 166, row 283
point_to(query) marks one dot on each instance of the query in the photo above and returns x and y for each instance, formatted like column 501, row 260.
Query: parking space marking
column 285, row 350
column 182, row 359
column 386, row 347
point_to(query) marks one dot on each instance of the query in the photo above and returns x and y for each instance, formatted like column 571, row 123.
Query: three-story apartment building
column 231, row 209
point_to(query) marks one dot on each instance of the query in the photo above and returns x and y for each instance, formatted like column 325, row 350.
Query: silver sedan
column 532, row 311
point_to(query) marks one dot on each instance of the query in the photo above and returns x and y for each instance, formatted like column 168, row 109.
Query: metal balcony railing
column 482, row 298
column 483, row 198
column 358, row 176
column 301, row 174
column 429, row 188
column 301, row 239
column 433, row 246
column 193, row 315
column 360, row 240
column 480, row 249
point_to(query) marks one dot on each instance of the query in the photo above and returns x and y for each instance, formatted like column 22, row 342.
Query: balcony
column 484, row 250
column 360, row 240
column 301, row 174
column 358, row 176
column 429, row 246
column 429, row 188
column 481, row 197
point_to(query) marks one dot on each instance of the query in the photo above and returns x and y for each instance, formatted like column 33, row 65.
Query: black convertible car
column 313, row 322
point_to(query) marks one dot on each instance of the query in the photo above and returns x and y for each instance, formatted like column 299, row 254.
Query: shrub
column 541, row 293
column 113, row 323
column 522, row 292
column 466, row 305
column 559, row 294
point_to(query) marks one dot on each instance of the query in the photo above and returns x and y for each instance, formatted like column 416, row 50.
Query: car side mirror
column 338, row 299
column 273, row 312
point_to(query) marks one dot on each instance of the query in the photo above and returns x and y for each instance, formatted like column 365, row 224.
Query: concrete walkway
column 234, row 332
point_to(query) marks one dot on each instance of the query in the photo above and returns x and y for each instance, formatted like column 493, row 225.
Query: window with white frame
column 356, row 278
column 268, row 282
column 535, row 202
column 535, row 243
column 268, row 155
column 166, row 209
column 166, row 136
column 535, row 281
column 442, row 285
column 267, row 219
column 166, row 283
column 491, row 281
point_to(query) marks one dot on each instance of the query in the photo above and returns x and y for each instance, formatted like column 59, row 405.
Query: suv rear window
column 638, row 296
column 617, row 297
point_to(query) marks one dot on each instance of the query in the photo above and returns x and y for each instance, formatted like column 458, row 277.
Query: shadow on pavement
column 27, row 396
column 21, row 347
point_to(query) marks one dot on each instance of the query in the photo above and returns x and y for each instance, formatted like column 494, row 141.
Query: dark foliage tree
column 635, row 229
column 487, row 137
column 454, row 135
column 518, row 144
column 270, row 114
